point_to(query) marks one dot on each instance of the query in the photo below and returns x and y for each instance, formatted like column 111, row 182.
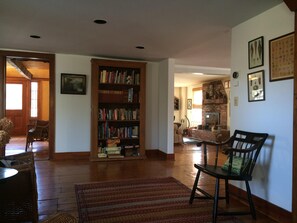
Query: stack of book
column 101, row 152
column 114, row 152
column 110, row 152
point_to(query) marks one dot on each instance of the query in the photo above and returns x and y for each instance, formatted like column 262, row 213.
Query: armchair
column 38, row 131
column 18, row 200
column 243, row 149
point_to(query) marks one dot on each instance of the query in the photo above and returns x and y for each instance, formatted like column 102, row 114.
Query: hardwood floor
column 18, row 145
column 56, row 179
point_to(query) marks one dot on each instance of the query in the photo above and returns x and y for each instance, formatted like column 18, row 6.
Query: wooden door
column 16, row 106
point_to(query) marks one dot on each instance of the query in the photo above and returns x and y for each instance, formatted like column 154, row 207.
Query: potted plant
column 6, row 126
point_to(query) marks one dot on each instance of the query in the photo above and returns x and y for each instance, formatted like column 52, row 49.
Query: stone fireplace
column 212, row 118
column 214, row 106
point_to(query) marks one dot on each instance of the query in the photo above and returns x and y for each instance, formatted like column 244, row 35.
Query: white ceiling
column 195, row 33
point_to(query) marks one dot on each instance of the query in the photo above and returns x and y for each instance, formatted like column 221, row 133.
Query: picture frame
column 256, row 86
column 281, row 57
column 256, row 52
column 73, row 83
column 189, row 104
column 176, row 104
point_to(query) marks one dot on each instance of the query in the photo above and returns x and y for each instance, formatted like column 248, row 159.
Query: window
column 34, row 100
column 197, row 107
column 14, row 96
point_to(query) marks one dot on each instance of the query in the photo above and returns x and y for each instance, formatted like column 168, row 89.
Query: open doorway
column 27, row 86
column 27, row 103
column 191, row 89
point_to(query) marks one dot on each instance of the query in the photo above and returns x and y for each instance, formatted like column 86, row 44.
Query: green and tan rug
column 142, row 200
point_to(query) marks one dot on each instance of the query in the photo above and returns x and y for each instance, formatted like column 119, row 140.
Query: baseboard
column 271, row 210
column 157, row 154
column 153, row 154
column 72, row 156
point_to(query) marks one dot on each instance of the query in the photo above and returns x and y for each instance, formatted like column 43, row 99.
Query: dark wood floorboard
column 56, row 179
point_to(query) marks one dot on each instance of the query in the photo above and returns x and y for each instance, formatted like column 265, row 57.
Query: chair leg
column 227, row 190
column 194, row 187
column 252, row 207
column 216, row 201
column 27, row 144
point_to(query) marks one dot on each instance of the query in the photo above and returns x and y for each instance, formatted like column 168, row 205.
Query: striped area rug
column 141, row 200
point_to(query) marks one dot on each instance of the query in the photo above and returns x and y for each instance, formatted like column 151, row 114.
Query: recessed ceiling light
column 100, row 21
column 35, row 36
column 140, row 47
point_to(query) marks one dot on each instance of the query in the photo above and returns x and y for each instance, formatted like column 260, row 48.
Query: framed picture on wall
column 176, row 103
column 256, row 52
column 73, row 83
column 189, row 104
column 281, row 57
column 256, row 90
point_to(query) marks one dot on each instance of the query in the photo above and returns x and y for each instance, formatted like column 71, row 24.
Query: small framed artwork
column 189, row 104
column 73, row 83
column 176, row 103
column 281, row 57
column 256, row 86
column 256, row 52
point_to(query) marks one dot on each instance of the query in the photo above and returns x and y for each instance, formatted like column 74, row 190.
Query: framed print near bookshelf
column 256, row 52
column 281, row 57
column 73, row 83
column 189, row 104
column 256, row 86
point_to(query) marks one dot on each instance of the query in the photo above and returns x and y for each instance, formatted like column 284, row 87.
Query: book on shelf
column 113, row 150
column 119, row 77
column 135, row 133
column 118, row 96
column 115, row 156
column 130, row 95
column 102, row 155
column 131, row 150
column 118, row 114
column 130, row 146
column 106, row 131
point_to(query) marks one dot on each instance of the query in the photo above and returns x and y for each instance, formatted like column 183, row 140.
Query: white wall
column 166, row 108
column 152, row 106
column 73, row 111
column 273, row 173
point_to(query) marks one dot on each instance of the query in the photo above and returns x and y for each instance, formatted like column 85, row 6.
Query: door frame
column 50, row 58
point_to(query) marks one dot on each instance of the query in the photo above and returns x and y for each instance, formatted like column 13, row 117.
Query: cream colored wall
column 44, row 100
column 177, row 113
column 73, row 112
column 190, row 96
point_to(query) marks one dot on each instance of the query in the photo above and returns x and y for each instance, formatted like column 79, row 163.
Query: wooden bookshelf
column 118, row 108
